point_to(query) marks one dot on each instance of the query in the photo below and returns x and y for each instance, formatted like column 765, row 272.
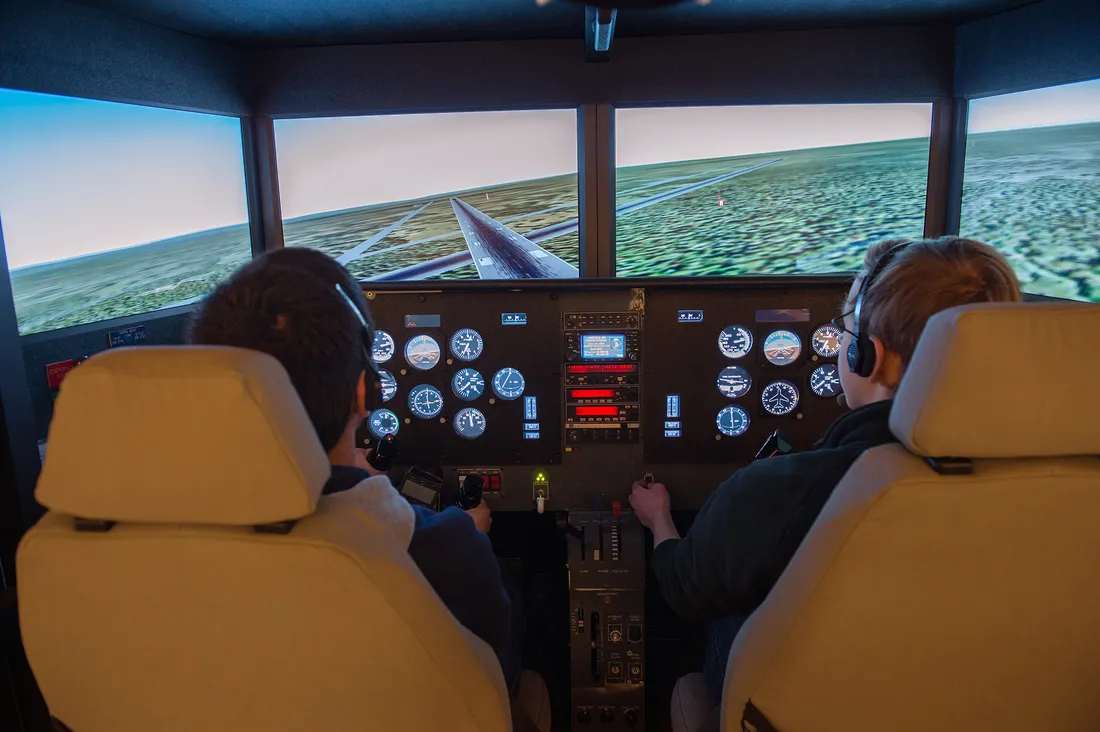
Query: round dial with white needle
column 826, row 341
column 384, row 422
column 469, row 423
column 468, row 384
column 389, row 385
column 735, row 341
column 508, row 383
column 425, row 401
column 733, row 421
column 780, row 397
column 825, row 381
column 467, row 344
column 383, row 347
column 734, row 382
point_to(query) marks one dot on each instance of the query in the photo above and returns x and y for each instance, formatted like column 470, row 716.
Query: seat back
column 175, row 602
column 923, row 600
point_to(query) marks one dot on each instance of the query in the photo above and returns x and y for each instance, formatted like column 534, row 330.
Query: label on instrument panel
column 56, row 372
column 126, row 337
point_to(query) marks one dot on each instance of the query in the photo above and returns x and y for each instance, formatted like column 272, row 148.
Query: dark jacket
column 748, row 530
column 459, row 564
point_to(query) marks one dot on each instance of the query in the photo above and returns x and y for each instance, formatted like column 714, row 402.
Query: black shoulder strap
column 753, row 720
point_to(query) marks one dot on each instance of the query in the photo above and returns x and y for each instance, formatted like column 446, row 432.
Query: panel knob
column 607, row 716
column 584, row 716
column 630, row 716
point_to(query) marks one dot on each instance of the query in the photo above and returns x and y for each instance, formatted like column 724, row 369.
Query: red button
column 616, row 509
column 494, row 482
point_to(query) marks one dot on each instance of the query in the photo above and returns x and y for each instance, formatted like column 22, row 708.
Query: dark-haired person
column 302, row 307
column 749, row 529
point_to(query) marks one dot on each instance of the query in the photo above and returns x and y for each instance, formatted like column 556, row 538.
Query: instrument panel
column 589, row 385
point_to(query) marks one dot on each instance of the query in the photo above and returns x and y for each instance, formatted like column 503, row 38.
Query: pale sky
column 666, row 134
column 332, row 163
column 1055, row 105
column 79, row 176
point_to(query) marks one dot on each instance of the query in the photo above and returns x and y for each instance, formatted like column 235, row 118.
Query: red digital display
column 601, row 368
column 592, row 393
column 597, row 411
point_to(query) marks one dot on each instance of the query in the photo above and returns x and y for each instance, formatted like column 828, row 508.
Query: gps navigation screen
column 603, row 346
column 780, row 189
column 489, row 195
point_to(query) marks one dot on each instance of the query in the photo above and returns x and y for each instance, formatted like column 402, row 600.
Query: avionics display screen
column 114, row 209
column 603, row 346
column 1031, row 186
column 784, row 189
column 490, row 195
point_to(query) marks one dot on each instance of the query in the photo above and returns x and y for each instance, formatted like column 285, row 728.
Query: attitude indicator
column 782, row 347
column 422, row 352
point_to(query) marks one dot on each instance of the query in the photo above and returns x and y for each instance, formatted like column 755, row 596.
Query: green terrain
column 815, row 211
column 1035, row 195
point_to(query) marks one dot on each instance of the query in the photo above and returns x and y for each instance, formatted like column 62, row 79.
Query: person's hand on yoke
column 482, row 516
column 651, row 506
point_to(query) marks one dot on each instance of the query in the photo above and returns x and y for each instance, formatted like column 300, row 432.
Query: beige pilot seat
column 188, row 577
column 940, row 594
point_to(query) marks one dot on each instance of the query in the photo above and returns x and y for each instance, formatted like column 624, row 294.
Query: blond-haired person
column 749, row 529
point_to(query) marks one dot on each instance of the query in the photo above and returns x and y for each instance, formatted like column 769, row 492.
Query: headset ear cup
column 867, row 357
column 853, row 356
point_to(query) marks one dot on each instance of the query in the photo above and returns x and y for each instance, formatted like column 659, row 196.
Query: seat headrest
column 1003, row 380
column 202, row 435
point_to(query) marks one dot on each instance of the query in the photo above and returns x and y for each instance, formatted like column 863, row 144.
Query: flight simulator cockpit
column 588, row 265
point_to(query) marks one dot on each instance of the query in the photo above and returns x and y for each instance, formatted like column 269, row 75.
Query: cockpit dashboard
column 577, row 389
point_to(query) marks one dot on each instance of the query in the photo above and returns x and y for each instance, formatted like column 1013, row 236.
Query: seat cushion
column 533, row 700
column 691, row 705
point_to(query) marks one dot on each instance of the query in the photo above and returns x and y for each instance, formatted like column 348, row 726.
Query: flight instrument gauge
column 422, row 352
column 466, row 344
column 734, row 382
column 389, row 385
column 733, row 421
column 826, row 341
column 780, row 397
column 735, row 341
column 782, row 347
column 508, row 383
column 384, row 422
column 469, row 423
column 468, row 384
column 425, row 401
column 383, row 347
column 825, row 381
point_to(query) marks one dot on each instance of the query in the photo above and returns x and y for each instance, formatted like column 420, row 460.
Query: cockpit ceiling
column 274, row 23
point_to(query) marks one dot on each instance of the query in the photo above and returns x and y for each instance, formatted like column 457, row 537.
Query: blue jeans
column 720, row 636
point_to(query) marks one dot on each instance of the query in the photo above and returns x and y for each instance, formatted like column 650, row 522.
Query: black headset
column 368, row 350
column 861, row 351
